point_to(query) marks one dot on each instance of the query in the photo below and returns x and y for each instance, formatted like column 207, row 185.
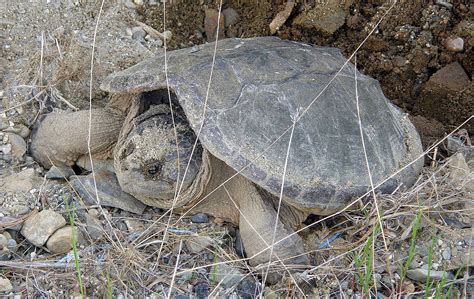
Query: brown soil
column 403, row 53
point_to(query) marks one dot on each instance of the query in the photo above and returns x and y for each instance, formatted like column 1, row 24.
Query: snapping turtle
column 259, row 122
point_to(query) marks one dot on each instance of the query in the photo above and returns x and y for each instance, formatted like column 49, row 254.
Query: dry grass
column 154, row 260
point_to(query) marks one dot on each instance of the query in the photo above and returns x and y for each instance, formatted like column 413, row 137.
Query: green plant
column 364, row 263
column 110, row 291
column 411, row 251
column 214, row 270
column 429, row 284
column 77, row 265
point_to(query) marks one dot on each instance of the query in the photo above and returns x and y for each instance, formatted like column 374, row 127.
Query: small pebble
column 248, row 289
column 18, row 144
column 469, row 240
column 5, row 286
column 231, row 16
column 446, row 253
column 3, row 242
column 167, row 34
column 201, row 290
column 200, row 218
column 455, row 44
column 138, row 33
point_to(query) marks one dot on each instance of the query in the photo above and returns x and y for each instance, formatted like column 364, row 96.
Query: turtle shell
column 269, row 97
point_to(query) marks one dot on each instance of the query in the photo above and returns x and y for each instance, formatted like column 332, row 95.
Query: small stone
column 138, row 2
column 134, row 225
column 422, row 274
column 39, row 227
column 452, row 77
column 198, row 244
column 210, row 24
column 61, row 240
column 12, row 245
column 201, row 290
column 200, row 218
column 327, row 18
column 231, row 17
column 248, row 289
column 5, row 255
column 6, row 148
column 226, row 275
column 3, row 242
column 18, row 144
column 130, row 4
column 455, row 44
column 5, row 285
column 268, row 293
column 20, row 182
column 459, row 172
column 167, row 34
column 281, row 17
column 93, row 227
column 4, row 123
column 469, row 240
column 138, row 33
column 59, row 173
column 446, row 253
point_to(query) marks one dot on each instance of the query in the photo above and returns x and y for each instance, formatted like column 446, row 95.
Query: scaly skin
column 61, row 138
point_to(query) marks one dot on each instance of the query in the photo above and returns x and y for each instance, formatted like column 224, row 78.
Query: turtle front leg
column 61, row 138
column 239, row 201
column 257, row 227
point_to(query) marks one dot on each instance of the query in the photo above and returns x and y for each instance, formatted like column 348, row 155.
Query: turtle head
column 152, row 159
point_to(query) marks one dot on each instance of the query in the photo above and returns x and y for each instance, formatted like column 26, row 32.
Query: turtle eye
column 153, row 168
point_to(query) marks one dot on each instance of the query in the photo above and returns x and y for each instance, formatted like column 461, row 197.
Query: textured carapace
column 259, row 87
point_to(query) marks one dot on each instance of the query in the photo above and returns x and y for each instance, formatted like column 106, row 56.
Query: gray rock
column 325, row 18
column 201, row 290
column 10, row 223
column 198, row 244
column 469, row 240
column 61, row 240
column 5, row 255
column 57, row 172
column 21, row 182
column 109, row 191
column 227, row 276
column 93, row 227
column 446, row 253
column 138, row 33
column 4, row 123
column 18, row 144
column 459, row 172
column 422, row 274
column 210, row 24
column 167, row 34
column 3, row 241
column 6, row 148
column 200, row 218
column 5, row 286
column 39, row 227
column 19, row 129
column 248, row 289
column 12, row 246
column 231, row 16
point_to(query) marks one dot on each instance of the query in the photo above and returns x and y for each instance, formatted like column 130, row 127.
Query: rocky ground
column 421, row 54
